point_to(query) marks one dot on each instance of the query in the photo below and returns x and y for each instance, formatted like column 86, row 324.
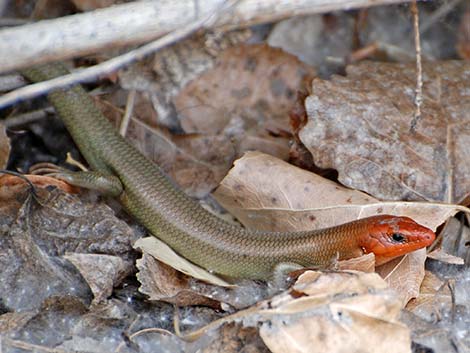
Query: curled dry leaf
column 453, row 249
column 360, row 125
column 247, row 96
column 295, row 199
column 434, row 294
column 162, row 282
column 163, row 253
column 456, row 239
column 405, row 274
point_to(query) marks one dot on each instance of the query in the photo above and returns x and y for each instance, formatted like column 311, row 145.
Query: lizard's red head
column 390, row 237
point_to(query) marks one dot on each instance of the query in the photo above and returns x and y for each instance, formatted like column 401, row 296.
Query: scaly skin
column 198, row 235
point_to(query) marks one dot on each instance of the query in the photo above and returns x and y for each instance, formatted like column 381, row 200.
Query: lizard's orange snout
column 390, row 237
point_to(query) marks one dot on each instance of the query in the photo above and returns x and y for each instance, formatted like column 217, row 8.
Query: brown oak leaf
column 361, row 125
column 247, row 96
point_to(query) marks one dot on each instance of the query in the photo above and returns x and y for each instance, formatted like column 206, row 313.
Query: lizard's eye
column 398, row 237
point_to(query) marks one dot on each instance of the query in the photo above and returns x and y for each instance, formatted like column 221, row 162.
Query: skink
column 168, row 213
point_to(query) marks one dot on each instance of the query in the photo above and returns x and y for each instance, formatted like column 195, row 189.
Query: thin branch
column 128, row 113
column 419, row 68
column 438, row 14
column 26, row 118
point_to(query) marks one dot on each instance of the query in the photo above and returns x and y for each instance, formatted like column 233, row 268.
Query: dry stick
column 26, row 118
column 160, row 331
column 128, row 113
column 419, row 69
column 112, row 65
column 438, row 14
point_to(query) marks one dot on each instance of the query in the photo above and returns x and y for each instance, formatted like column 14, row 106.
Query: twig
column 419, row 69
column 438, row 14
column 26, row 118
column 107, row 67
column 128, row 113
column 160, row 331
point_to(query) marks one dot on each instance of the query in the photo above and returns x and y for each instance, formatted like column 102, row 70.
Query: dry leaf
column 162, row 252
column 405, row 274
column 354, row 312
column 325, row 285
column 257, row 80
column 360, row 125
column 364, row 263
column 453, row 249
column 456, row 239
column 35, row 236
column 101, row 272
column 29, row 275
column 434, row 296
column 162, row 282
column 295, row 199
column 442, row 256
column 172, row 68
column 443, row 308
column 347, row 328
column 249, row 91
